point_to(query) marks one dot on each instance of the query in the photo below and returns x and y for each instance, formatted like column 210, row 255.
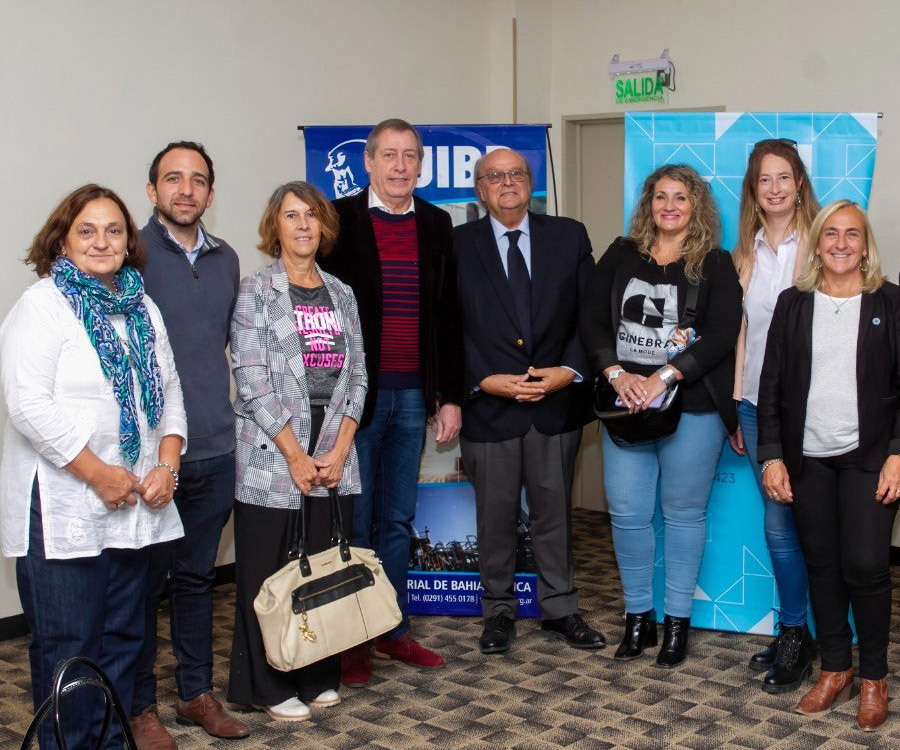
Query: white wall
column 764, row 55
column 91, row 91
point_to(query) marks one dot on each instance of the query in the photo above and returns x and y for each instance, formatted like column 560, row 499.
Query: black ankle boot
column 793, row 660
column 764, row 660
column 640, row 631
column 675, row 641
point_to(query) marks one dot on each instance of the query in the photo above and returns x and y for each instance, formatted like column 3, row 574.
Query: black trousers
column 545, row 466
column 262, row 540
column 846, row 538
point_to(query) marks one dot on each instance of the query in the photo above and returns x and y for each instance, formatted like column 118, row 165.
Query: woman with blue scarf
column 91, row 450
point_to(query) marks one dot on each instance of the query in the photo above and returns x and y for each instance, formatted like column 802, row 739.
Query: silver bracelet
column 174, row 472
column 767, row 464
column 666, row 373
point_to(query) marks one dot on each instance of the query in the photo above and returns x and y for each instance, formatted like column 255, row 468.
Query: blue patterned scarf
column 92, row 303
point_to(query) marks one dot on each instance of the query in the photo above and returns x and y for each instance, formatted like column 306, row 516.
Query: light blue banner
column 736, row 590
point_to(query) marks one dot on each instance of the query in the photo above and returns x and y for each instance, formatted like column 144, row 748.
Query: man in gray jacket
column 193, row 277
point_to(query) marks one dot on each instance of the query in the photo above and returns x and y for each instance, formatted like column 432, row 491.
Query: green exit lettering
column 640, row 89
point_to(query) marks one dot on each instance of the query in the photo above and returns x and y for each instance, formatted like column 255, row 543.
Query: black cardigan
column 787, row 371
column 355, row 261
column 709, row 363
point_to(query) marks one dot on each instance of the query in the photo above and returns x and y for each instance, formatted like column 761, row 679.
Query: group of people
column 124, row 456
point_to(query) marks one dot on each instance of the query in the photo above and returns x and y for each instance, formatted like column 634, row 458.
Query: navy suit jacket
column 493, row 343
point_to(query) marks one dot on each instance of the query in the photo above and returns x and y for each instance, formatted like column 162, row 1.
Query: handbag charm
column 307, row 632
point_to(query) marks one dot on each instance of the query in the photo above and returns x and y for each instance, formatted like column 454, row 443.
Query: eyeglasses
column 787, row 141
column 495, row 178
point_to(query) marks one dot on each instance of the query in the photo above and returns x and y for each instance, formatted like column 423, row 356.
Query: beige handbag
column 320, row 605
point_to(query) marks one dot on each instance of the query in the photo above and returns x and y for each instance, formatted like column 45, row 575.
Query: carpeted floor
column 541, row 695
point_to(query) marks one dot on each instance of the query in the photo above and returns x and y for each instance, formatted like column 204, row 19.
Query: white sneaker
column 328, row 698
column 293, row 709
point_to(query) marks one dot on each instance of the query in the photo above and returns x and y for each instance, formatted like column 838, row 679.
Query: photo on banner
column 736, row 589
column 443, row 577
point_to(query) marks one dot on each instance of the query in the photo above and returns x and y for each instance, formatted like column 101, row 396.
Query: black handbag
column 97, row 680
column 626, row 428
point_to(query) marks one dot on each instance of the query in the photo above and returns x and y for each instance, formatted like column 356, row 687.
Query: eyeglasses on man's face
column 495, row 178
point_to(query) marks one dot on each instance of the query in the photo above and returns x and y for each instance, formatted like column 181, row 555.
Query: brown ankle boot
column 832, row 689
column 873, row 705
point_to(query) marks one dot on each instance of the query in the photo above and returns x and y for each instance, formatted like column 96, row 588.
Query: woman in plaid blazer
column 298, row 362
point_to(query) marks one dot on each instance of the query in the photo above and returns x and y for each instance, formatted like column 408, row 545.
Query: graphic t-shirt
column 322, row 340
column 648, row 317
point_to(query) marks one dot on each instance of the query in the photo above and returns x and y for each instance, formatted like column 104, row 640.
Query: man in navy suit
column 521, row 277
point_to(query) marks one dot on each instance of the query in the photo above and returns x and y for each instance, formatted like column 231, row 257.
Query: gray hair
column 394, row 123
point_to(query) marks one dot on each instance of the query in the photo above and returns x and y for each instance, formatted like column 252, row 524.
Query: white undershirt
column 773, row 272
column 832, row 416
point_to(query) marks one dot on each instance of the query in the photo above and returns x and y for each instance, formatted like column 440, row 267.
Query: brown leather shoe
column 149, row 732
column 832, row 689
column 873, row 705
column 206, row 712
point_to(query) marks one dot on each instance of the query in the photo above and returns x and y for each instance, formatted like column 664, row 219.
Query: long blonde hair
column 752, row 218
column 810, row 278
column 703, row 230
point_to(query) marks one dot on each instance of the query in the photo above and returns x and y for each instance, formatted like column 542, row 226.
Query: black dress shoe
column 498, row 631
column 675, row 641
column 640, row 631
column 793, row 662
column 764, row 659
column 574, row 631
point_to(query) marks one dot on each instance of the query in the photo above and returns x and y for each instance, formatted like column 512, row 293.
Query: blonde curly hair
column 704, row 228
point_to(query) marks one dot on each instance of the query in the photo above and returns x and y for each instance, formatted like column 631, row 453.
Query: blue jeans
column 788, row 565
column 87, row 606
column 390, row 450
column 185, row 569
column 683, row 466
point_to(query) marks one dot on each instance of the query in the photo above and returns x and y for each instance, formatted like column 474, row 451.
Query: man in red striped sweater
column 396, row 251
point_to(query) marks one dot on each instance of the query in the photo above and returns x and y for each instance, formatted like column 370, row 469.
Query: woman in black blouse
column 631, row 326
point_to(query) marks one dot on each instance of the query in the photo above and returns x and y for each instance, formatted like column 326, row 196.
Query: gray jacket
column 267, row 363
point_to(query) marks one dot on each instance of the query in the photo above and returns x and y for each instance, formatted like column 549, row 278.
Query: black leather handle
column 51, row 706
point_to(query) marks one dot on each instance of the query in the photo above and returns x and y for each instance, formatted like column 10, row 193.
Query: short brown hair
column 48, row 242
column 312, row 197
column 401, row 126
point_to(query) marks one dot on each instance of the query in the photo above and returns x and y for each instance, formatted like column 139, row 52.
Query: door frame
column 571, row 149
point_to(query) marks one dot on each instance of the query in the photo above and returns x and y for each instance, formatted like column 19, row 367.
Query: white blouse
column 773, row 272
column 59, row 401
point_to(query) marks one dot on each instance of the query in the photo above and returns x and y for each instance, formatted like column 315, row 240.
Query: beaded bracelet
column 767, row 464
column 174, row 472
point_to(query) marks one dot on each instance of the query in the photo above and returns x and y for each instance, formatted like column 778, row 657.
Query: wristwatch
column 667, row 375
column 615, row 373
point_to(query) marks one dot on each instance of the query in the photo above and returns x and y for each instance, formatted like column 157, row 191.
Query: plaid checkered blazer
column 267, row 362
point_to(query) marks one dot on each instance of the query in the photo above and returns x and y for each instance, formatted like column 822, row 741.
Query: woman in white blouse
column 91, row 449
column 829, row 439
column 777, row 209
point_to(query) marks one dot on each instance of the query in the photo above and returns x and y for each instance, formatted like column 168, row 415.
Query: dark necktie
column 519, row 284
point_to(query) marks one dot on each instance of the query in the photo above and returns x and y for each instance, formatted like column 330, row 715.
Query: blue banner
column 736, row 589
column 334, row 161
column 443, row 562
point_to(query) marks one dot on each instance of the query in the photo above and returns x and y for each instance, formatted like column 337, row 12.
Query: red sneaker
column 356, row 665
column 406, row 649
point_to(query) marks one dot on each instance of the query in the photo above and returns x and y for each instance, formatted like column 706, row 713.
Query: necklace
column 837, row 307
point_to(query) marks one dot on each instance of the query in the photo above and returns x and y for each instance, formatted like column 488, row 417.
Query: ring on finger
column 120, row 504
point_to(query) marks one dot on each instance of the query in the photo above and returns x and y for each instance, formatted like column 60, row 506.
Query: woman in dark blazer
column 632, row 327
column 829, row 435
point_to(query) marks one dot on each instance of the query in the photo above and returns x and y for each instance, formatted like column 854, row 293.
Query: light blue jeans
column 788, row 565
column 682, row 466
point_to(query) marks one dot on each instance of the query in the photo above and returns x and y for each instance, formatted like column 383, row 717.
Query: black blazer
column 786, row 372
column 708, row 365
column 355, row 261
column 560, row 265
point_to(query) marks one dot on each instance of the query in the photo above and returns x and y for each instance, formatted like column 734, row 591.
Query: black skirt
column 262, row 540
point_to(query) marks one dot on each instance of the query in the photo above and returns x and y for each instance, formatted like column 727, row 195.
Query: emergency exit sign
column 643, row 88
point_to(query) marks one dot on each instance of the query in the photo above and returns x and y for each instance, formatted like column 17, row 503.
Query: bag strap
column 690, row 304
column 98, row 680
column 300, row 534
